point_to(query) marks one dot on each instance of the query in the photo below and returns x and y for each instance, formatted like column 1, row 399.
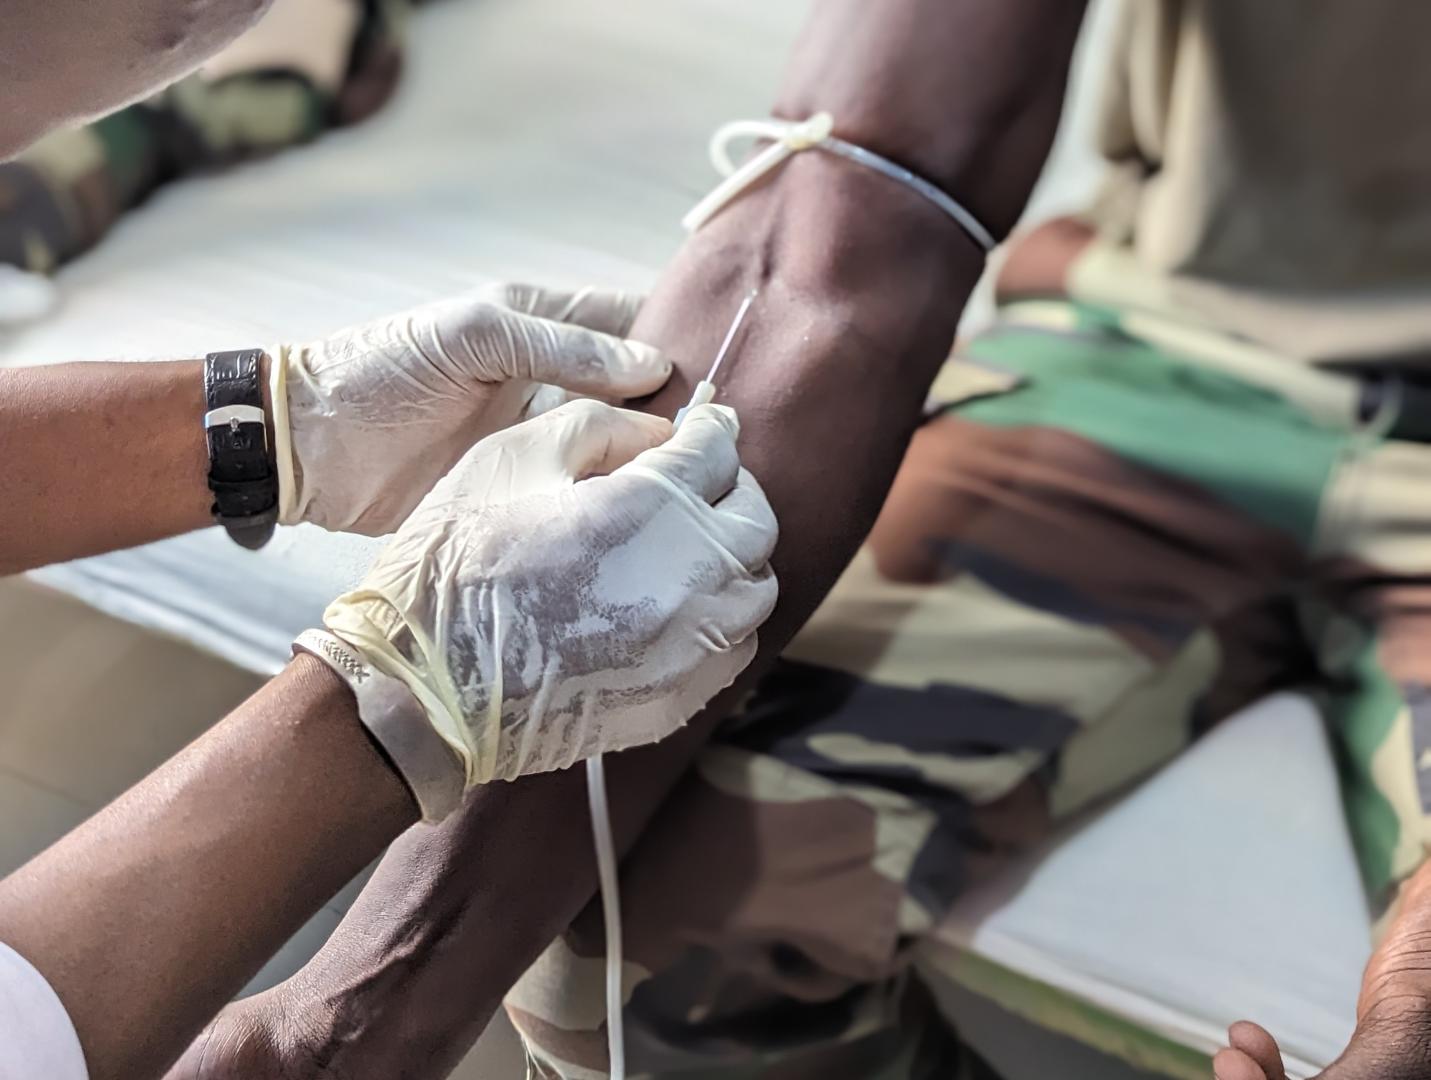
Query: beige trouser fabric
column 1273, row 160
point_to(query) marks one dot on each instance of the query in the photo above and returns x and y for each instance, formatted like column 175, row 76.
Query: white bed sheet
column 1224, row 889
column 561, row 141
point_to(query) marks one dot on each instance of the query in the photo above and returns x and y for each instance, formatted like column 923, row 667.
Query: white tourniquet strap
column 789, row 137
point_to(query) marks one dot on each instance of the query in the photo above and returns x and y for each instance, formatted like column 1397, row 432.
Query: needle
column 705, row 389
column 730, row 336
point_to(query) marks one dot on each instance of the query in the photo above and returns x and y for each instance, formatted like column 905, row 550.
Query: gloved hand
column 368, row 420
column 543, row 612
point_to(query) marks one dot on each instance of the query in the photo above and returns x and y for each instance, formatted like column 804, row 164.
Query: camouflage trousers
column 1094, row 552
column 310, row 65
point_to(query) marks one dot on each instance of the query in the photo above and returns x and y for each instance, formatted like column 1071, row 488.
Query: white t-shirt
column 37, row 1038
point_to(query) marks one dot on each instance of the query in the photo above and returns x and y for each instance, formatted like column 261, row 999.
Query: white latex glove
column 541, row 618
column 366, row 421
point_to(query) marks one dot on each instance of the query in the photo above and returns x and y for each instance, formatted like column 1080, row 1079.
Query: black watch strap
column 241, row 476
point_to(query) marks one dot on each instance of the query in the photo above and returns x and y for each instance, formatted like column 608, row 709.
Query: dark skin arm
column 220, row 855
column 862, row 284
column 125, row 459
column 111, row 432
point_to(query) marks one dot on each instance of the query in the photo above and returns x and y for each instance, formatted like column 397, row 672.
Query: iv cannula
column 705, row 389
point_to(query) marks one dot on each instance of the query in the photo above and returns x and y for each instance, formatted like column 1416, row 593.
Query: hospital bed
column 561, row 141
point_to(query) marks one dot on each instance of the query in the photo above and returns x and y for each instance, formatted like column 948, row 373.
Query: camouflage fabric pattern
column 1095, row 551
column 63, row 195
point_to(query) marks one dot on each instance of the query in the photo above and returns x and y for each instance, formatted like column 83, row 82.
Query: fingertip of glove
column 638, row 369
column 646, row 363
column 721, row 415
column 653, row 430
column 648, row 355
column 659, row 426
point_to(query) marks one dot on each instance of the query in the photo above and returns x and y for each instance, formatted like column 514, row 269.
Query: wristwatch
column 241, row 475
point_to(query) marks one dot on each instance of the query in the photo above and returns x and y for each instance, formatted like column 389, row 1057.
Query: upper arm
column 65, row 61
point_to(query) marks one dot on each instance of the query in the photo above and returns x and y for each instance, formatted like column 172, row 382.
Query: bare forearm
column 99, row 457
column 222, row 854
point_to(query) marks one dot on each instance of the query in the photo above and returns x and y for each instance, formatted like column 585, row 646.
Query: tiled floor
column 90, row 705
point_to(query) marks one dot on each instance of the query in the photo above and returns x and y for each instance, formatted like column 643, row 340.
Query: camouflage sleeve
column 309, row 66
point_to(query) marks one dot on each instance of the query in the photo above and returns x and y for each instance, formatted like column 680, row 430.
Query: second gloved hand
column 366, row 421
column 578, row 584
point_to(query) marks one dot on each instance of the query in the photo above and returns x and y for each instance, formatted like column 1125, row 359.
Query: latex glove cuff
column 395, row 718
column 290, row 512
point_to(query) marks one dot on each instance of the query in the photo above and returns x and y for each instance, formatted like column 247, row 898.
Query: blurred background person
column 309, row 66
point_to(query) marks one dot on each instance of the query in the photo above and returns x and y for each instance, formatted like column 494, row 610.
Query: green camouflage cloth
column 61, row 197
column 1097, row 549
